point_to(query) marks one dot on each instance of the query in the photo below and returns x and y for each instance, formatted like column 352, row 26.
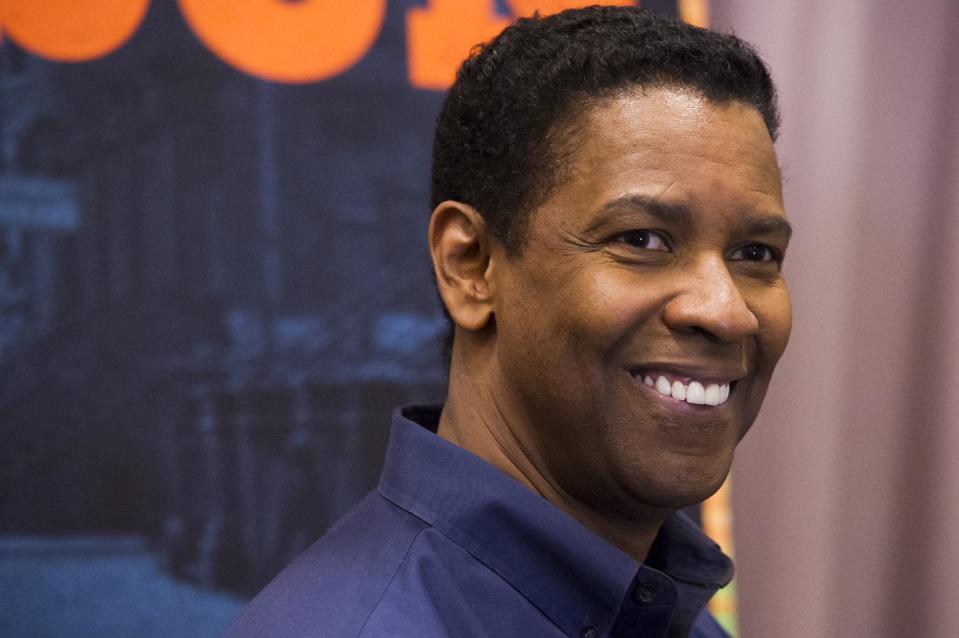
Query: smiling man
column 607, row 237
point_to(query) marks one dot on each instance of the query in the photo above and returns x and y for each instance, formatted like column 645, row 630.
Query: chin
column 683, row 486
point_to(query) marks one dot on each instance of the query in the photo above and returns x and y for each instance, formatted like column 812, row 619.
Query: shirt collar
column 569, row 573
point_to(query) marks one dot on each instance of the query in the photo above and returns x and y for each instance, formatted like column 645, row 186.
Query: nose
column 710, row 303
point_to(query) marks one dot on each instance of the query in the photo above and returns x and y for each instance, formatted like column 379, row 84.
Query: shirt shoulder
column 442, row 590
column 333, row 587
column 382, row 571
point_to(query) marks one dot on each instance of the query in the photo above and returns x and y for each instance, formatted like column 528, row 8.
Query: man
column 607, row 237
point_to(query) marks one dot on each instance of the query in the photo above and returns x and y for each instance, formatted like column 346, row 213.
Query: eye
column 645, row 239
column 755, row 252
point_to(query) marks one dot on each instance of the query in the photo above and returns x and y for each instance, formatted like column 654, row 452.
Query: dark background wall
column 217, row 293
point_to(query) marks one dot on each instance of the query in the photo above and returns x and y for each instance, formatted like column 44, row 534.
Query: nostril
column 714, row 336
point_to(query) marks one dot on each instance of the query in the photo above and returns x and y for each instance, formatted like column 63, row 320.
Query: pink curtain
column 846, row 492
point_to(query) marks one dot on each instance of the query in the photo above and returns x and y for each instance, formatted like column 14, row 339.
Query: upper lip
column 719, row 373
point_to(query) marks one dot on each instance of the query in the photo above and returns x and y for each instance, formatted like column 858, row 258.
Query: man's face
column 657, row 255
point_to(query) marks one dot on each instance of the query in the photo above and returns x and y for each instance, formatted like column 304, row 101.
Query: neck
column 476, row 420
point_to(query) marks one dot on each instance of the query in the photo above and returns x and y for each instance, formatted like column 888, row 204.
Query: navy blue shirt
column 449, row 545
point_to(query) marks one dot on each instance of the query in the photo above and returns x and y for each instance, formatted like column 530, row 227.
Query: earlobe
column 460, row 248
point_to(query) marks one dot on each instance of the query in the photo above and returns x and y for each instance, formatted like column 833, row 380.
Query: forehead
column 668, row 144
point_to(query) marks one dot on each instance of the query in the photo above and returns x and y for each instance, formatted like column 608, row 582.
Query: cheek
column 572, row 320
column 612, row 304
column 775, row 319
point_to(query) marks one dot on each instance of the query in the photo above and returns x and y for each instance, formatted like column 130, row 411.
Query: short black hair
column 493, row 145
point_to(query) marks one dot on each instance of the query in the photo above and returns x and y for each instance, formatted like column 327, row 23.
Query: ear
column 460, row 247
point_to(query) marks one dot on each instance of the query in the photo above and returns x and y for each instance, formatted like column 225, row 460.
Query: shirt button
column 644, row 593
column 589, row 632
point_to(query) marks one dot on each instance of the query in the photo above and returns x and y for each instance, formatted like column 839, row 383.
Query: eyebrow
column 677, row 213
column 666, row 212
column 763, row 224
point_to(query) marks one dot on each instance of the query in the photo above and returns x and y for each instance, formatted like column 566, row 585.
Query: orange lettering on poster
column 695, row 12
column 71, row 30
column 287, row 41
column 441, row 35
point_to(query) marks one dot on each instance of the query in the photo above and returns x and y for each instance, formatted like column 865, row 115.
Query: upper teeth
column 693, row 392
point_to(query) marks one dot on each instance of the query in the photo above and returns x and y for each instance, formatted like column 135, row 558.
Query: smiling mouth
column 691, row 391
